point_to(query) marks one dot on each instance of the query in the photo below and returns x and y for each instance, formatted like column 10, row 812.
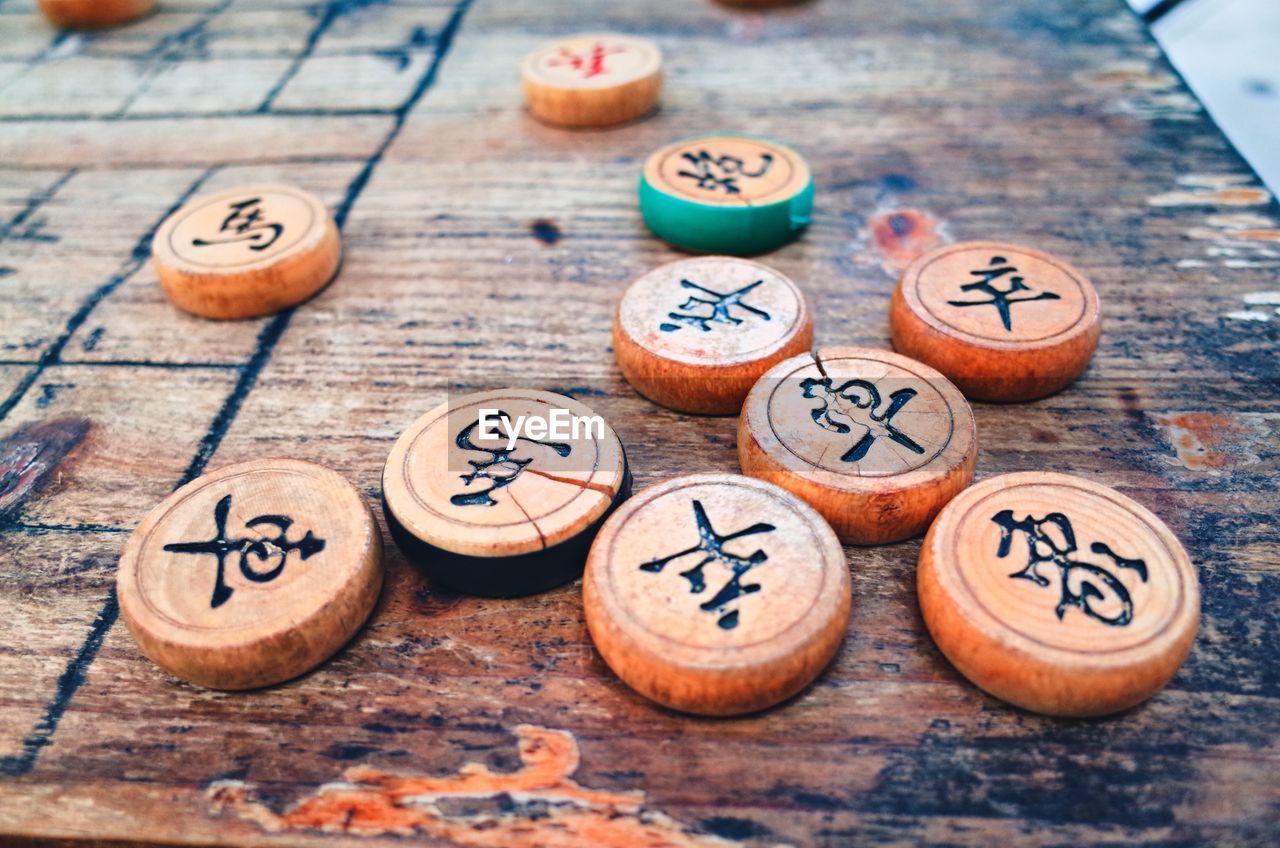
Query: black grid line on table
column 187, row 43
column 73, row 676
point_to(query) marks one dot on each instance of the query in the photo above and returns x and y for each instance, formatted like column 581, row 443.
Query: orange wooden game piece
column 874, row 441
column 716, row 594
column 247, row 252
column 694, row 335
column 1058, row 594
column 92, row 14
column 506, row 514
column 251, row 575
column 1004, row 323
column 593, row 80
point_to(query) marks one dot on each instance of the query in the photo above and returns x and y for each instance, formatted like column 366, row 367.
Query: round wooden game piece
column 503, row 509
column 1058, row 594
column 593, row 80
column 716, row 594
column 247, row 252
column 695, row 334
column 252, row 574
column 92, row 14
column 726, row 193
column 874, row 441
column 1004, row 323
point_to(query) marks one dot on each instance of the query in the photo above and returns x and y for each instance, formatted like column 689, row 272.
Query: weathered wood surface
column 483, row 249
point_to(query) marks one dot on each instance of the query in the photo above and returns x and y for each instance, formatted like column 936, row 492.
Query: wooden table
column 484, row 249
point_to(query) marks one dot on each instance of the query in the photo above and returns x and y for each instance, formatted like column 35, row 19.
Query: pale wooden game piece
column 726, row 193
column 593, row 80
column 489, row 520
column 694, row 335
column 1004, row 323
column 1058, row 594
column 874, row 441
column 92, row 14
column 716, row 594
column 247, row 252
column 252, row 574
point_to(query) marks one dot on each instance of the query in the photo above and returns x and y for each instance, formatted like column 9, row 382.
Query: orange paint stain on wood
column 1202, row 440
column 373, row 802
column 901, row 236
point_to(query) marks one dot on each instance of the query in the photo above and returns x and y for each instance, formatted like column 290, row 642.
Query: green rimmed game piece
column 726, row 193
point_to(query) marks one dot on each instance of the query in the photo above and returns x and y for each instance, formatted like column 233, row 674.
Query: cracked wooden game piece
column 500, row 492
column 716, row 594
column 252, row 574
column 92, row 14
column 874, row 441
column 726, row 193
column 1058, row 594
column 593, row 80
column 1004, row 323
column 247, row 252
column 695, row 334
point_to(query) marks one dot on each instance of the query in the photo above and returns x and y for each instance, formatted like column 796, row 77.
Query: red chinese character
column 591, row 64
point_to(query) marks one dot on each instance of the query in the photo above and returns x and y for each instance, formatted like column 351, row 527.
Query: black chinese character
column 245, row 224
column 1052, row 539
column 865, row 400
column 1000, row 298
column 500, row 468
column 722, row 172
column 263, row 548
column 711, row 544
column 720, row 304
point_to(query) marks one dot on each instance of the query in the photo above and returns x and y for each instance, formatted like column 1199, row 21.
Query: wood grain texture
column 482, row 245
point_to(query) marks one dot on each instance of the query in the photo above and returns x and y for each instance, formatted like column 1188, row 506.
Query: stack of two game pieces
column 488, row 503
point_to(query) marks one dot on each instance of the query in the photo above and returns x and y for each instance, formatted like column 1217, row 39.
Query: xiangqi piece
column 1002, row 322
column 94, row 14
column 716, row 594
column 246, row 252
column 695, row 334
column 252, row 574
column 500, row 493
column 593, row 80
column 874, row 441
column 1058, row 594
column 726, row 193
